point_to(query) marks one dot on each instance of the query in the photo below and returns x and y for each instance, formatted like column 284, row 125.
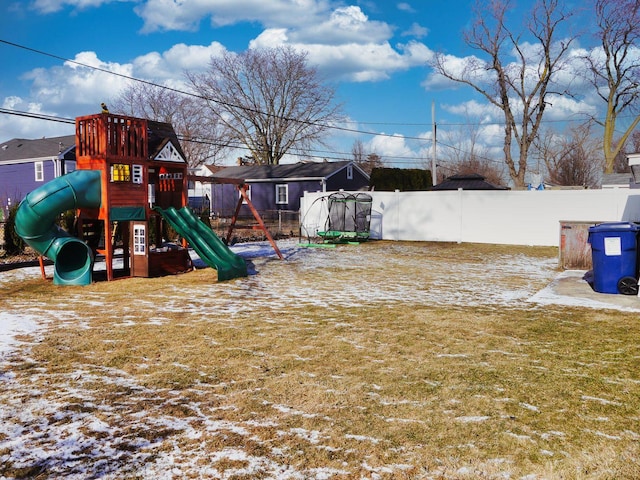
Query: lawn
column 385, row 360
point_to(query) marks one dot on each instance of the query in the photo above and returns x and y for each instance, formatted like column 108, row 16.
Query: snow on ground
column 324, row 277
column 12, row 325
column 473, row 284
column 570, row 289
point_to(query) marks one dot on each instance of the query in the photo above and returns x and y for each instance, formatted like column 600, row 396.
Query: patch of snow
column 604, row 435
column 14, row 324
column 472, row 418
column 527, row 406
column 87, row 441
column 548, row 296
column 362, row 438
column 601, row 401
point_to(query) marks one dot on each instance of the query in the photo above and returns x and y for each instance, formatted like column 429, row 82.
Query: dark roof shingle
column 289, row 171
column 24, row 149
column 468, row 181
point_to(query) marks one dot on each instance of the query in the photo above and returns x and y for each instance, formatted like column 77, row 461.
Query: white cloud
column 187, row 14
column 416, row 30
column 343, row 25
column 366, row 62
column 470, row 67
column 76, row 89
column 481, row 112
column 52, row 6
column 563, row 107
column 359, row 62
column 394, row 145
column 73, row 85
column 342, row 42
column 405, row 7
column 17, row 126
column 270, row 38
column 170, row 64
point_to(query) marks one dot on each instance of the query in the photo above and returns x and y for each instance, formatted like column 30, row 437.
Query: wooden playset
column 130, row 178
column 142, row 166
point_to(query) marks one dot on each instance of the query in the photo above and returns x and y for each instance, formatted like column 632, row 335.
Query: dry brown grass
column 393, row 389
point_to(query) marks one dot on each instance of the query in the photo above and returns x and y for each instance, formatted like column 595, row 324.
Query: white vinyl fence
column 499, row 217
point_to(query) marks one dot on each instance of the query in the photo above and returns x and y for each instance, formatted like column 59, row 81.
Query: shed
column 467, row 181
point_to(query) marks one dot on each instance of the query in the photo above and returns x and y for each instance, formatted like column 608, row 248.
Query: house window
column 39, row 169
column 139, row 240
column 349, row 172
column 282, row 194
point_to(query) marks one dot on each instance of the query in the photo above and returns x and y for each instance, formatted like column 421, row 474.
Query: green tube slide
column 211, row 249
column 35, row 223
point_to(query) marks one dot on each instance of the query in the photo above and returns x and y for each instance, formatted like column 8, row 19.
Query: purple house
column 28, row 164
column 280, row 187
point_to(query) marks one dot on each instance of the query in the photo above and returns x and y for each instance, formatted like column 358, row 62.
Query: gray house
column 28, row 164
column 280, row 187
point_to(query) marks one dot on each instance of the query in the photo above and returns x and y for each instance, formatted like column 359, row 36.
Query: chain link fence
column 279, row 223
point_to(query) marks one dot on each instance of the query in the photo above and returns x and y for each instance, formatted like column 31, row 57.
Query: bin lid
column 615, row 227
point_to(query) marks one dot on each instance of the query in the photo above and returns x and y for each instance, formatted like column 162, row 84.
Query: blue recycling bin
column 614, row 248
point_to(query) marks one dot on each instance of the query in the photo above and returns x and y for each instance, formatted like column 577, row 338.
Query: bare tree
column 615, row 69
column 632, row 145
column 620, row 161
column 269, row 100
column 358, row 152
column 465, row 154
column 480, row 165
column 572, row 159
column 366, row 161
column 519, row 88
column 199, row 136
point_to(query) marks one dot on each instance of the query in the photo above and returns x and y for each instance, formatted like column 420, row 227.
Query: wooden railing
column 113, row 136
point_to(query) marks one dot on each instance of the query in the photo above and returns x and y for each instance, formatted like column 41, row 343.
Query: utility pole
column 434, row 177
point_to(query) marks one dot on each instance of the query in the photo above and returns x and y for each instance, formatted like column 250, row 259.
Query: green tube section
column 211, row 249
column 35, row 223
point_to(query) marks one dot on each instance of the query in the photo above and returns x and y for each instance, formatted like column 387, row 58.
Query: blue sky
column 374, row 52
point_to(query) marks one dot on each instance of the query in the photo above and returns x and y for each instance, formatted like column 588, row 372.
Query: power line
column 319, row 154
column 39, row 116
column 182, row 92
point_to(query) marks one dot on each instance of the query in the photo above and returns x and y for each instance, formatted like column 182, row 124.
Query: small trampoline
column 349, row 218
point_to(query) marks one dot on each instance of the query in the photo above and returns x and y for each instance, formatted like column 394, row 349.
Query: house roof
column 23, row 149
column 158, row 135
column 617, row 180
column 468, row 181
column 293, row 171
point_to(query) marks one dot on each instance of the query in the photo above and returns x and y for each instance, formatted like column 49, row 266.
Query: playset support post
column 242, row 188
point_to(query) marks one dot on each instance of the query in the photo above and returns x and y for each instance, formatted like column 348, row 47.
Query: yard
column 374, row 361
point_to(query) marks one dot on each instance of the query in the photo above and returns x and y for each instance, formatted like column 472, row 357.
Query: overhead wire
column 183, row 92
column 227, row 104
column 317, row 154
